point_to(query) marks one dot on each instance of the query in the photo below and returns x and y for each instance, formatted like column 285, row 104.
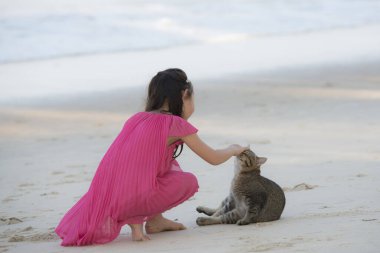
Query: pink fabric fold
column 136, row 179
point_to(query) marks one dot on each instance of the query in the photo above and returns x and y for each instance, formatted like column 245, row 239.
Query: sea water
column 41, row 29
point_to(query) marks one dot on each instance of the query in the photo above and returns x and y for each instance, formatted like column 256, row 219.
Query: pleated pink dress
column 136, row 179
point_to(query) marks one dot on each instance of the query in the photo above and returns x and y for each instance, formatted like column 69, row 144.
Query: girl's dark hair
column 168, row 85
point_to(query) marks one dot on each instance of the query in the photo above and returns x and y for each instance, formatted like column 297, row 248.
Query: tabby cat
column 253, row 198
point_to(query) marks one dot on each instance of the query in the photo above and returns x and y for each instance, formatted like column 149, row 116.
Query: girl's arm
column 209, row 154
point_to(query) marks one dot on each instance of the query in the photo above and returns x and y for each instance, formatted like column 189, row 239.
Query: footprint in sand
column 66, row 181
column 3, row 248
column 49, row 193
column 27, row 229
column 74, row 178
column 28, row 234
column 8, row 199
column 82, row 173
column 9, row 221
column 299, row 187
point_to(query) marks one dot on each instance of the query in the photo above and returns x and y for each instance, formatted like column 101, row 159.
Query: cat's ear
column 262, row 160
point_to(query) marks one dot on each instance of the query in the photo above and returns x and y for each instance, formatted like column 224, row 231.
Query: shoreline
column 214, row 60
column 243, row 38
column 282, row 76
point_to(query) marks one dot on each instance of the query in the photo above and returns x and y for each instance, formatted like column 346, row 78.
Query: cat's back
column 275, row 199
column 252, row 182
column 270, row 186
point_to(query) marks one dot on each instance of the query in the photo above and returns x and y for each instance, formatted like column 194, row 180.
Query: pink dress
column 136, row 179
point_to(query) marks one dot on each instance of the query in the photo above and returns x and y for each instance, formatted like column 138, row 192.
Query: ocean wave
column 81, row 28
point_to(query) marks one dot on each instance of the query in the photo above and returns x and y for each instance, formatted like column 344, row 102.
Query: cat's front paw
column 200, row 209
column 242, row 222
column 202, row 221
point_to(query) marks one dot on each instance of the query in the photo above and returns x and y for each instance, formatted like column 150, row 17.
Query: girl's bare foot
column 159, row 224
column 138, row 233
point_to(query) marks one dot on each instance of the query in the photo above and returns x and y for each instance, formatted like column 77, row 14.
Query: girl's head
column 170, row 90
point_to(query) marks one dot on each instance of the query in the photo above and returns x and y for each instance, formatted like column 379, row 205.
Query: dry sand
column 319, row 127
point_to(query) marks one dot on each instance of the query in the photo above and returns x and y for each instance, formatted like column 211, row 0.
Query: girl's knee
column 190, row 181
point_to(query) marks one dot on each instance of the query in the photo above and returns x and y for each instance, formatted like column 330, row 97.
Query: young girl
column 138, row 178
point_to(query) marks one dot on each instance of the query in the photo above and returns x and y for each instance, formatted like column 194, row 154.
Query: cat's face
column 248, row 161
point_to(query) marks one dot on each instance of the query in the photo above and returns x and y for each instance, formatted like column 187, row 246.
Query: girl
column 138, row 178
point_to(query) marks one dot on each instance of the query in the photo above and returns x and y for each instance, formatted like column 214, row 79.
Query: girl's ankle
column 154, row 219
column 135, row 226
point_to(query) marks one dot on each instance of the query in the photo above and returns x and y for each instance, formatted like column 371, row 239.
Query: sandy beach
column 319, row 126
column 298, row 81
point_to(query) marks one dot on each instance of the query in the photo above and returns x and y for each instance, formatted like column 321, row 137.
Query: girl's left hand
column 237, row 149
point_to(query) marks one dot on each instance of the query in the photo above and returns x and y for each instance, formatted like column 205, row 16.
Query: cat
column 253, row 198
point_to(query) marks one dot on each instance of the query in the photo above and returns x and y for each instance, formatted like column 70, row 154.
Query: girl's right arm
column 210, row 155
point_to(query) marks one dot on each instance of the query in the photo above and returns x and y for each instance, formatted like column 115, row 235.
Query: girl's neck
column 164, row 111
column 161, row 111
column 164, row 107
